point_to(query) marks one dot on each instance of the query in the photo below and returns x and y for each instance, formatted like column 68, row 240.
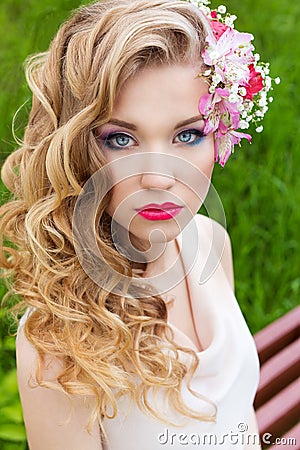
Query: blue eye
column 119, row 141
column 189, row 137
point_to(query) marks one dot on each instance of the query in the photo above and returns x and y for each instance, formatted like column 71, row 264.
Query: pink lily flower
column 215, row 107
column 225, row 140
column 231, row 44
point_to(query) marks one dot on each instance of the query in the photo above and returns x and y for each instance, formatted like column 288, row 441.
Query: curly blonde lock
column 103, row 339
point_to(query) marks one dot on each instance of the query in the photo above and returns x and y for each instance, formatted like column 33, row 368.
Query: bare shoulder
column 53, row 420
column 220, row 240
column 27, row 360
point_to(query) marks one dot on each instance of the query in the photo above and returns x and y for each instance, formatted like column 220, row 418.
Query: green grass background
column 259, row 188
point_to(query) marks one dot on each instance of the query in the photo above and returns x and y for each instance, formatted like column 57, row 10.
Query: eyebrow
column 131, row 126
column 188, row 121
column 124, row 124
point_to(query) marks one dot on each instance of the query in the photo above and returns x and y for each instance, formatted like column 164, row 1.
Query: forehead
column 161, row 94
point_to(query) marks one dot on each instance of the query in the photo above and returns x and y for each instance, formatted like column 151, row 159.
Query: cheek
column 199, row 178
column 204, row 158
column 116, row 199
column 121, row 196
column 210, row 161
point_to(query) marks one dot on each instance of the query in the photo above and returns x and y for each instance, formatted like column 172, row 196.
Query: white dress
column 227, row 374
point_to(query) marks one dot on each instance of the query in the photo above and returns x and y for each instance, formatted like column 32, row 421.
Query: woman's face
column 166, row 166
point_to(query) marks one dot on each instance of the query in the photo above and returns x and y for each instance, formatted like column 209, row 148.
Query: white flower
column 247, row 108
column 277, row 80
column 207, row 73
column 263, row 95
column 234, row 89
column 265, row 109
column 222, row 9
column 217, row 78
column 214, row 55
column 242, row 91
column 229, row 21
column 271, row 99
column 262, row 102
column 268, row 82
column 244, row 124
column 233, row 98
column 257, row 57
column 259, row 129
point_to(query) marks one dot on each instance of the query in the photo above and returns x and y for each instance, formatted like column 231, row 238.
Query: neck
column 160, row 258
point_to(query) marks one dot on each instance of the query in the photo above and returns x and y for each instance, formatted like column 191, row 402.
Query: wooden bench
column 277, row 401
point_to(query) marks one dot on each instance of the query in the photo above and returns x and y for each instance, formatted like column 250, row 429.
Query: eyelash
column 110, row 137
column 108, row 140
column 198, row 134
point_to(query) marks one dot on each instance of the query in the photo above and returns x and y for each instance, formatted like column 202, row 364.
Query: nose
column 152, row 180
column 157, row 172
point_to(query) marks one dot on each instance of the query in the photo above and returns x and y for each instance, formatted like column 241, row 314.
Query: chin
column 158, row 232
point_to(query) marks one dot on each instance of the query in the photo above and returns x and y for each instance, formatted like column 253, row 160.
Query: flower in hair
column 239, row 82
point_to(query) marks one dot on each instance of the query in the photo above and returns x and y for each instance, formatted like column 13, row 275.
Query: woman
column 132, row 337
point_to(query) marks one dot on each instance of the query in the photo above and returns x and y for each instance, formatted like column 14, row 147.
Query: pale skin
column 151, row 115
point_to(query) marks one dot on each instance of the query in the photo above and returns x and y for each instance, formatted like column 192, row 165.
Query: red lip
column 162, row 207
column 154, row 211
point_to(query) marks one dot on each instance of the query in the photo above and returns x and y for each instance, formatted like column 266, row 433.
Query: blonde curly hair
column 104, row 339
